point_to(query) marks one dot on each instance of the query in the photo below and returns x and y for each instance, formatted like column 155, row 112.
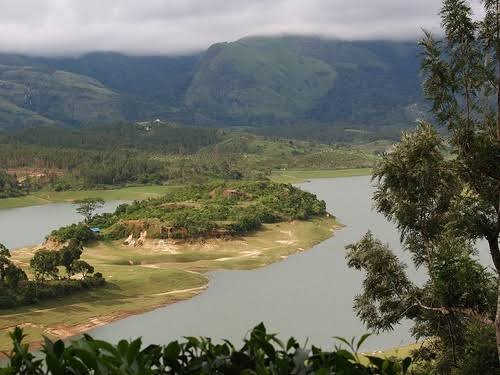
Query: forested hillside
column 33, row 94
column 299, row 79
column 155, row 153
column 252, row 81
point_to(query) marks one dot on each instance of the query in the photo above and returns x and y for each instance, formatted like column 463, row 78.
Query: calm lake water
column 308, row 295
column 27, row 226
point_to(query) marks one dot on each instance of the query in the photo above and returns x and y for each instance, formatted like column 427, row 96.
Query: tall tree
column 14, row 275
column 4, row 262
column 45, row 264
column 80, row 266
column 416, row 188
column 87, row 207
column 10, row 274
column 442, row 205
column 490, row 36
column 69, row 254
column 462, row 76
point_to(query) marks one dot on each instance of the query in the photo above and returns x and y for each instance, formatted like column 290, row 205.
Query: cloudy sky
column 61, row 27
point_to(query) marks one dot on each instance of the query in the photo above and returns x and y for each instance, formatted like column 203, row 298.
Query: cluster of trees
column 151, row 153
column 443, row 205
column 10, row 274
column 328, row 134
column 211, row 209
column 46, row 263
column 261, row 353
column 151, row 136
column 79, row 232
column 333, row 159
column 17, row 289
column 9, row 186
column 67, row 168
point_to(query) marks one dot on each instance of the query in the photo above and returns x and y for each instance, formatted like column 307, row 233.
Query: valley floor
column 158, row 273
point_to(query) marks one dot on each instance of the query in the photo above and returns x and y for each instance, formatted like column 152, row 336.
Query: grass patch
column 302, row 175
column 25, row 201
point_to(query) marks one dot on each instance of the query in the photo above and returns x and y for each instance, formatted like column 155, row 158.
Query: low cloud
column 71, row 27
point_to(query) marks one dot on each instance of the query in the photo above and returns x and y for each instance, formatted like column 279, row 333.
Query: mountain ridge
column 254, row 81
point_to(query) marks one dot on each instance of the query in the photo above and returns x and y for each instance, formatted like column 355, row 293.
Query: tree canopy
column 442, row 190
column 88, row 206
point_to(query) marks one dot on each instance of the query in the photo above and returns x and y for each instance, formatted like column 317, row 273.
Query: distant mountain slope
column 251, row 82
column 255, row 80
column 291, row 79
column 149, row 85
column 34, row 95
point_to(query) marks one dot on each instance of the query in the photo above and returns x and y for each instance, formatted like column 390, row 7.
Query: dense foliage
column 211, row 210
column 283, row 80
column 79, row 232
column 443, row 205
column 149, row 135
column 156, row 153
column 10, row 274
column 421, row 191
column 32, row 292
column 261, row 353
column 9, row 186
column 64, row 169
column 17, row 290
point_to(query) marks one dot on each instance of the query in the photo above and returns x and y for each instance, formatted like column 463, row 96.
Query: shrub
column 29, row 292
column 78, row 232
column 261, row 353
column 116, row 231
column 245, row 224
column 7, row 299
column 103, row 221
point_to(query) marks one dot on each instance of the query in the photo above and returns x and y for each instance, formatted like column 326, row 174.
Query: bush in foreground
column 262, row 353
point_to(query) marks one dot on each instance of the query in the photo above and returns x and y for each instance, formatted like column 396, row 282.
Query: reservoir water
column 309, row 295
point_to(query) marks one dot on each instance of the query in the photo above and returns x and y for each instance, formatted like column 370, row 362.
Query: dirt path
column 246, row 254
column 179, row 291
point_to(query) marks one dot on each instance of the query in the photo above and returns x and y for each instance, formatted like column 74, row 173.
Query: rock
column 142, row 238
column 129, row 240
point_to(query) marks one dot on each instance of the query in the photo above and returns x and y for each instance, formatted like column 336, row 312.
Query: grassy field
column 155, row 274
column 301, row 175
column 127, row 193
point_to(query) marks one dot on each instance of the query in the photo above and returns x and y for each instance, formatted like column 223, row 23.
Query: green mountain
column 258, row 81
column 36, row 94
column 150, row 86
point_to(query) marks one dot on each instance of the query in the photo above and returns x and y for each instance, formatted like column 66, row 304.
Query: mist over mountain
column 255, row 81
